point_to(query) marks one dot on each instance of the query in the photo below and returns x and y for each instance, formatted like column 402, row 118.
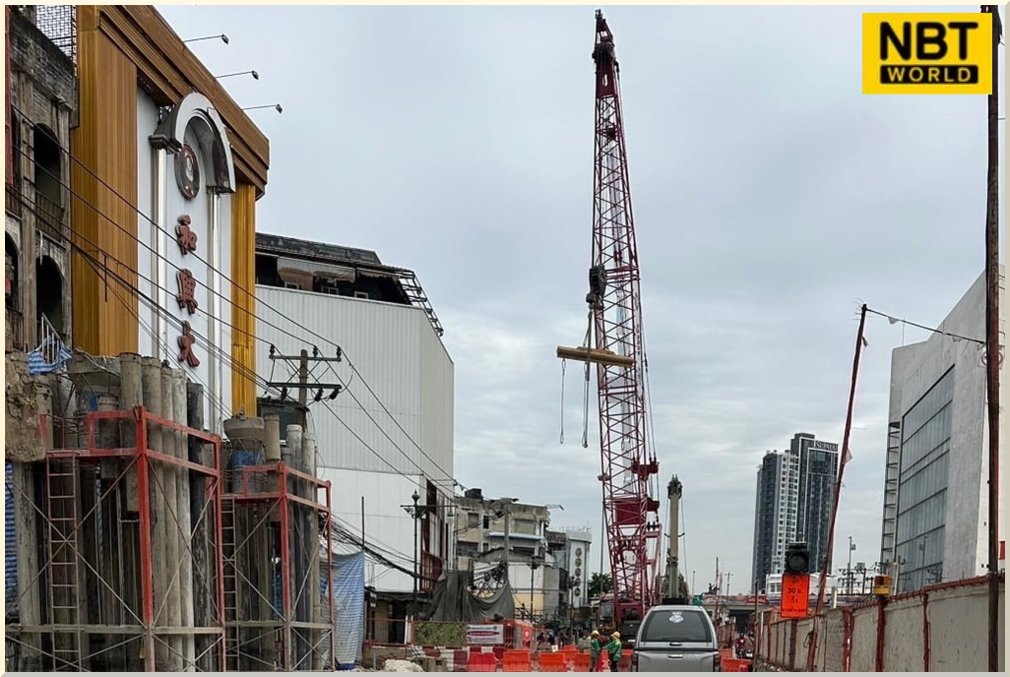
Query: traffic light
column 797, row 559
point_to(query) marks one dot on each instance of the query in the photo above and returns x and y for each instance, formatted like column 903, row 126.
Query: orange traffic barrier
column 482, row 662
column 735, row 665
column 553, row 662
column 582, row 662
column 516, row 660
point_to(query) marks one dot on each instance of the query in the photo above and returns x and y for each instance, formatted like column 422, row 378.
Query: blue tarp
column 349, row 606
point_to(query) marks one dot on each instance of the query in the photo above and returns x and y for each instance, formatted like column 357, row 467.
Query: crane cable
column 585, row 396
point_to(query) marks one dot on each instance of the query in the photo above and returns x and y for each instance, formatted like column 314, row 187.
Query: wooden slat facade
column 243, row 293
column 121, row 48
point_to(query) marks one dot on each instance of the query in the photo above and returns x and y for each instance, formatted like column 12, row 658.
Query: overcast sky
column 770, row 198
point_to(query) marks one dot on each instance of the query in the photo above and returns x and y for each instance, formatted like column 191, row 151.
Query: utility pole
column 826, row 564
column 303, row 372
column 993, row 359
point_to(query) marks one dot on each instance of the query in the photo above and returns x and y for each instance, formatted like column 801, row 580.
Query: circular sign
column 187, row 172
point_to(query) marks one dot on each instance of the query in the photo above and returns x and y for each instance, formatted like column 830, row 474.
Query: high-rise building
column 818, row 470
column 793, row 503
column 936, row 474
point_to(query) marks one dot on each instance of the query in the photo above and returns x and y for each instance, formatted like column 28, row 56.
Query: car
column 676, row 638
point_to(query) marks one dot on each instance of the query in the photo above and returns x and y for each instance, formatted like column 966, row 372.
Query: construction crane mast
column 628, row 470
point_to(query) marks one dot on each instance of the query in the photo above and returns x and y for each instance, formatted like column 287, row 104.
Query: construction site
column 170, row 506
column 146, row 543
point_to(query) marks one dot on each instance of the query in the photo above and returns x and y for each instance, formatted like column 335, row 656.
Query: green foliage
column 440, row 634
column 599, row 584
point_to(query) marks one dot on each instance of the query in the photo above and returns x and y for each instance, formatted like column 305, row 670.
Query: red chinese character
column 186, row 342
column 185, row 236
column 187, row 290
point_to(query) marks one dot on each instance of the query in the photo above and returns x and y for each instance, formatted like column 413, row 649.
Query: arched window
column 48, row 182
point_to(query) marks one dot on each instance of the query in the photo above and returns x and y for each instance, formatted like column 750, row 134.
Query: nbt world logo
column 927, row 53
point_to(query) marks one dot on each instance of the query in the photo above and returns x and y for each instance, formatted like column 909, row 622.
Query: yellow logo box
column 927, row 53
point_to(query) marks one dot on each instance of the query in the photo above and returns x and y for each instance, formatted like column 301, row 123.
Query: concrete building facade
column 535, row 567
column 936, row 473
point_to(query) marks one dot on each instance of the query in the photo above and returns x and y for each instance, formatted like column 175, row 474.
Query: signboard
column 795, row 596
column 485, row 634
column 927, row 53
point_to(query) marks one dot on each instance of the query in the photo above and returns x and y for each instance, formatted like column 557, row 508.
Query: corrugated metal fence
column 940, row 628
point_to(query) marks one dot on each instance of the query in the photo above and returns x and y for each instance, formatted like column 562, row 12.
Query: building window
column 922, row 486
column 361, row 295
column 329, row 289
column 292, row 285
column 472, row 520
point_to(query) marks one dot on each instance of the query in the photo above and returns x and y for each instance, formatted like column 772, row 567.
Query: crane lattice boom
column 628, row 469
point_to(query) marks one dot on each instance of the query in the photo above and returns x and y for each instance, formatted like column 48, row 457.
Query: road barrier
column 939, row 628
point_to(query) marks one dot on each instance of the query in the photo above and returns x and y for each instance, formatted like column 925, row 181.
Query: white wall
column 211, row 221
column 397, row 352
column 914, row 371
column 387, row 526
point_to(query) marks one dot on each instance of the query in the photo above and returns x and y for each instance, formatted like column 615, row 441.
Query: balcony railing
column 49, row 217
column 12, row 198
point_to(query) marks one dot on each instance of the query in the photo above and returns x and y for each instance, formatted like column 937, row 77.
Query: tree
column 599, row 584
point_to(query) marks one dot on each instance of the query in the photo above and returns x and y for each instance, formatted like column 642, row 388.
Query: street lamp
column 256, row 76
column 415, row 512
column 275, row 106
column 222, row 37
column 535, row 563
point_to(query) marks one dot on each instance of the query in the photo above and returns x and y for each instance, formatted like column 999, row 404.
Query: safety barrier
column 482, row 662
column 516, row 660
column 581, row 662
column 553, row 662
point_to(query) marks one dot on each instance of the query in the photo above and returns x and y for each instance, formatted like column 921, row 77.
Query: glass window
column 676, row 626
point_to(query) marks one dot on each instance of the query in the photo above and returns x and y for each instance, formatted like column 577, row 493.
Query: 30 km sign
column 927, row 53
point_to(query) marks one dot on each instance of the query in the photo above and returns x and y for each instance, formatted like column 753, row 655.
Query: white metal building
column 379, row 318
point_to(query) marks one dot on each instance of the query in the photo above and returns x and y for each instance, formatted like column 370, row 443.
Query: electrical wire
column 139, row 213
column 224, row 356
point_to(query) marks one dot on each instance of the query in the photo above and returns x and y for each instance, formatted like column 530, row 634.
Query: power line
column 225, row 357
column 134, row 237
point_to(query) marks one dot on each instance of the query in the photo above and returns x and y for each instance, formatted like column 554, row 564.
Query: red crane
column 628, row 469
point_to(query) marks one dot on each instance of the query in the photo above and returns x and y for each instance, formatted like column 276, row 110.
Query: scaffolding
column 94, row 602
column 275, row 532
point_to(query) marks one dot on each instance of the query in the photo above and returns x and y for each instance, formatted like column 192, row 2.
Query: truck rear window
column 676, row 626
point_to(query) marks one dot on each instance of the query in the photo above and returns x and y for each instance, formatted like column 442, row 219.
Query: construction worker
column 594, row 652
column 614, row 649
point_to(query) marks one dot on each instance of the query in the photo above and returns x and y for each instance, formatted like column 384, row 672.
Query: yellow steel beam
column 605, row 357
